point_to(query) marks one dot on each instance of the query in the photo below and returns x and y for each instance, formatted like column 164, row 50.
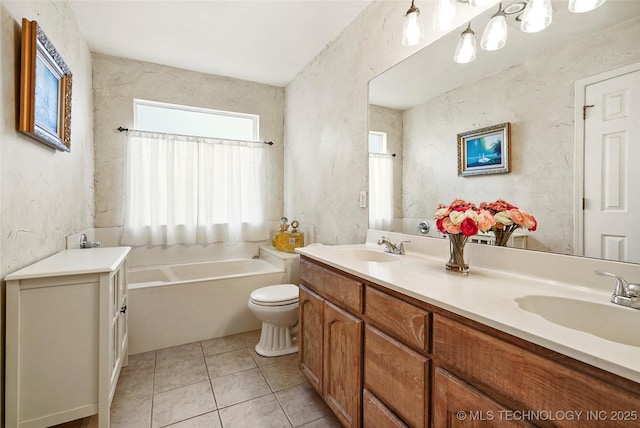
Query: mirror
column 530, row 83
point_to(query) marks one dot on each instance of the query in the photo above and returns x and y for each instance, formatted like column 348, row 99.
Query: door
column 611, row 172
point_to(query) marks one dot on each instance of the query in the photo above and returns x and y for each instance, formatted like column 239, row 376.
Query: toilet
column 277, row 307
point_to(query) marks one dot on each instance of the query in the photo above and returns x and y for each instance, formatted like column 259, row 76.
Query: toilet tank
column 287, row 261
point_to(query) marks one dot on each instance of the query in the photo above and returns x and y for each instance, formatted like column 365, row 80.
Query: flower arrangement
column 508, row 218
column 463, row 217
column 460, row 220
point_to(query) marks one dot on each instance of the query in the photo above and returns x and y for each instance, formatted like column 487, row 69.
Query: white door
column 612, row 168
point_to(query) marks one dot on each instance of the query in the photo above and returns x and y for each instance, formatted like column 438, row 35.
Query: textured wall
column 326, row 122
column 537, row 97
column 117, row 81
column 45, row 195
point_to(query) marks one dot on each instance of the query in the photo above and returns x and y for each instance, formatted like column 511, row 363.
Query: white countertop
column 488, row 296
column 74, row 262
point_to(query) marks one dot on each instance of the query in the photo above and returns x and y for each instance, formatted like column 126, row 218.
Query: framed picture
column 45, row 90
column 484, row 151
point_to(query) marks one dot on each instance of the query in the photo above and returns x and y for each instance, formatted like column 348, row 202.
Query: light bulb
column 412, row 30
column 494, row 36
column 581, row 6
column 537, row 16
column 444, row 15
column 466, row 48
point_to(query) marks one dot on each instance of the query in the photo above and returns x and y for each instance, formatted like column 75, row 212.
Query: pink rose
column 517, row 216
column 530, row 222
column 448, row 225
column 485, row 220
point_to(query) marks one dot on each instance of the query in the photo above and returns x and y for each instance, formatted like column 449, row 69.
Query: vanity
column 396, row 341
column 66, row 337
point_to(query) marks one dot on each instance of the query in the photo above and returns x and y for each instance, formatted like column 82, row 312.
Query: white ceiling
column 262, row 41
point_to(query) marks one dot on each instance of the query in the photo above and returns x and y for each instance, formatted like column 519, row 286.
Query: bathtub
column 175, row 304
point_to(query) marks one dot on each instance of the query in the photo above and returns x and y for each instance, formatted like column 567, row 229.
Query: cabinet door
column 118, row 328
column 398, row 376
column 377, row 415
column 311, row 309
column 343, row 364
column 457, row 404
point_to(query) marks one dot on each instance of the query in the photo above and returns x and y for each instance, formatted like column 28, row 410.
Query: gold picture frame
column 45, row 90
column 485, row 151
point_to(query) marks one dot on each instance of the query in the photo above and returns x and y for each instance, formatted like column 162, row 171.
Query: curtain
column 380, row 190
column 193, row 190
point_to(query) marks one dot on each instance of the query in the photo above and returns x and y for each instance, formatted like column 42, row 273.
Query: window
column 184, row 120
column 183, row 188
column 377, row 142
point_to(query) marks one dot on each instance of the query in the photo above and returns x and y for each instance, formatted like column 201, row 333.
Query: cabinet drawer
column 397, row 375
column 339, row 289
column 458, row 404
column 377, row 415
column 536, row 382
column 401, row 320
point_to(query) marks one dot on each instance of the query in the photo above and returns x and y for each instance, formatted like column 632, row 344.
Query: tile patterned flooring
column 221, row 383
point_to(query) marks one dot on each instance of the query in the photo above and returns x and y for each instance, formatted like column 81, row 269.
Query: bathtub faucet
column 85, row 243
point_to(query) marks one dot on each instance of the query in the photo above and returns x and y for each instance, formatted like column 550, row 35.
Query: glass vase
column 458, row 262
column 502, row 237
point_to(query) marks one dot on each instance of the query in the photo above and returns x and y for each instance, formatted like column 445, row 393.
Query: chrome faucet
column 85, row 243
column 389, row 247
column 625, row 294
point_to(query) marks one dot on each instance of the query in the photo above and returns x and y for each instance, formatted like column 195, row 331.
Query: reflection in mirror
column 538, row 83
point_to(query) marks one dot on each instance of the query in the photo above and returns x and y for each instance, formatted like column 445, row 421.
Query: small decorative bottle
column 279, row 241
column 295, row 239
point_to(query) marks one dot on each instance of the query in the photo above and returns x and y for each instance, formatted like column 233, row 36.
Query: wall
column 45, row 194
column 537, row 97
column 117, row 81
column 327, row 120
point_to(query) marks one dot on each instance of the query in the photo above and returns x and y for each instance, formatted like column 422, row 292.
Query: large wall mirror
column 535, row 83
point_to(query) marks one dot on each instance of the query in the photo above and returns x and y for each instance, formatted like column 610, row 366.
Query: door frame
column 580, row 90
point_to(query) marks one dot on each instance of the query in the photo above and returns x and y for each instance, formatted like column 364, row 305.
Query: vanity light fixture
column 581, row 6
column 466, row 48
column 412, row 30
column 494, row 36
column 444, row 15
column 536, row 16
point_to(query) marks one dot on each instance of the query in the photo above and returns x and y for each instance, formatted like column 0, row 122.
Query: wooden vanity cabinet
column 532, row 380
column 422, row 366
column 330, row 339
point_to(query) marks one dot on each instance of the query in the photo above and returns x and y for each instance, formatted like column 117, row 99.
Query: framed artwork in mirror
column 484, row 151
column 45, row 90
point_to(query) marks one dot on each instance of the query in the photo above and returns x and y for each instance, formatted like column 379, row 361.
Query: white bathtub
column 182, row 303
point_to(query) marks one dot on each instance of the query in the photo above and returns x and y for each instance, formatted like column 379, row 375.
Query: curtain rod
column 383, row 154
column 121, row 129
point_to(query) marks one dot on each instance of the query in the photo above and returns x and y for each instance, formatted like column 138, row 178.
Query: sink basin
column 605, row 320
column 363, row 255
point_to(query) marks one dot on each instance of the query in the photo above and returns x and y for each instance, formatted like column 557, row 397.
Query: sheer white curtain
column 193, row 190
column 380, row 190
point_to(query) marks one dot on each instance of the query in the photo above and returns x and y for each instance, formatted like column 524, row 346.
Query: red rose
column 440, row 226
column 469, row 227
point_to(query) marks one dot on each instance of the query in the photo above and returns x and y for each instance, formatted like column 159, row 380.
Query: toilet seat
column 275, row 295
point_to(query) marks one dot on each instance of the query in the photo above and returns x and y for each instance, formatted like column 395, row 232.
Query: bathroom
column 318, row 123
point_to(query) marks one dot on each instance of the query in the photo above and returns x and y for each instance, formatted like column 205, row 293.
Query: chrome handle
column 621, row 284
column 424, row 227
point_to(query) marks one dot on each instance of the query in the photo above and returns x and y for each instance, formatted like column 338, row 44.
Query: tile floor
column 220, row 383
